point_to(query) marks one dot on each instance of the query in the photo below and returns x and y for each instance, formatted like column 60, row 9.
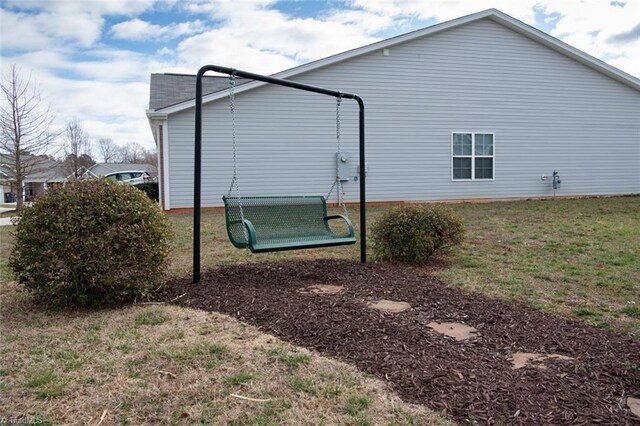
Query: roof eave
column 153, row 114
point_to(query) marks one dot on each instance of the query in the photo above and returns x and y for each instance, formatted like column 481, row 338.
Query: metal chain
column 338, row 101
column 335, row 182
column 340, row 194
column 234, row 180
column 341, row 201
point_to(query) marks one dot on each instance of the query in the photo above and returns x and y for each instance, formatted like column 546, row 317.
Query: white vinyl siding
column 548, row 111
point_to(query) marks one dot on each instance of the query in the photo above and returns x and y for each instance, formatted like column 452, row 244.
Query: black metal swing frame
column 197, row 173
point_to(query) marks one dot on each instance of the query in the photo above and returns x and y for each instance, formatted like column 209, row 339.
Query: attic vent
column 385, row 52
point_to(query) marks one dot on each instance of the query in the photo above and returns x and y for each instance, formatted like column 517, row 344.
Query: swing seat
column 283, row 222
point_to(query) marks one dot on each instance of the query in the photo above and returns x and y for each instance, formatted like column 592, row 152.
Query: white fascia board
column 152, row 114
column 494, row 14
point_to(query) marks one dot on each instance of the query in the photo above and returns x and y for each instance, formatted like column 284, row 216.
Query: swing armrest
column 346, row 219
column 251, row 230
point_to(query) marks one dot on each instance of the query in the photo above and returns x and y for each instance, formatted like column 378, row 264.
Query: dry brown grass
column 159, row 364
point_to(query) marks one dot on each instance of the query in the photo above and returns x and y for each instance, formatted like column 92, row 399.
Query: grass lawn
column 158, row 364
column 144, row 364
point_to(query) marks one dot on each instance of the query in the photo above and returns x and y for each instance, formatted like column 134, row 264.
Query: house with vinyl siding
column 480, row 107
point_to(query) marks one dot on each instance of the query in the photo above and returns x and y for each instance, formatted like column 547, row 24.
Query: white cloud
column 21, row 31
column 45, row 29
column 137, row 29
column 592, row 25
column 278, row 41
column 219, row 46
column 102, row 64
column 45, row 24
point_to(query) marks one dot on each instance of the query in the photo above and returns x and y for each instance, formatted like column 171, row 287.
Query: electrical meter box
column 342, row 166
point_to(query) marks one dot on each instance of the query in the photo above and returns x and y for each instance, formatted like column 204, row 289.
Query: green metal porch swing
column 282, row 222
column 278, row 222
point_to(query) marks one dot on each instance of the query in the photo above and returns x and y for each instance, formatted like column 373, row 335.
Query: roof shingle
column 170, row 89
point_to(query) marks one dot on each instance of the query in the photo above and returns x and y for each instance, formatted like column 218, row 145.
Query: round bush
column 91, row 242
column 414, row 233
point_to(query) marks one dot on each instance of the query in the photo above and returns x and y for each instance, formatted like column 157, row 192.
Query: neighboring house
column 480, row 107
column 44, row 174
column 103, row 169
column 5, row 183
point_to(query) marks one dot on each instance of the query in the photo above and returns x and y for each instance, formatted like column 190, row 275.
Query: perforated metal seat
column 283, row 222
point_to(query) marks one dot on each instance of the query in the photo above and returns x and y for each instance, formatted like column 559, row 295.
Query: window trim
column 473, row 156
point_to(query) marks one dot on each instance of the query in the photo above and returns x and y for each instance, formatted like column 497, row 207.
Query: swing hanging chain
column 342, row 203
column 336, row 180
column 338, row 102
column 341, row 185
column 340, row 194
column 234, row 180
column 232, row 108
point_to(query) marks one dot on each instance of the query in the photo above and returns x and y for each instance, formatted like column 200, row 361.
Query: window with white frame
column 472, row 156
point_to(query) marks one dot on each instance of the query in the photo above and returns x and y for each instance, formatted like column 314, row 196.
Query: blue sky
column 92, row 58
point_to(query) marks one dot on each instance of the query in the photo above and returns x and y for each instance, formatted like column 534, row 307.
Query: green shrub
column 91, row 242
column 412, row 234
column 151, row 189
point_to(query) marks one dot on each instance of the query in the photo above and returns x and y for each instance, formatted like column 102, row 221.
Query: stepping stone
column 456, row 330
column 389, row 306
column 634, row 405
column 323, row 289
column 532, row 359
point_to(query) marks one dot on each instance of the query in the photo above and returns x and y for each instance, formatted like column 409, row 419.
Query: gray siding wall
column 547, row 111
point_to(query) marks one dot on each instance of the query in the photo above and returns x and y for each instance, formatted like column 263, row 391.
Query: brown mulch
column 466, row 380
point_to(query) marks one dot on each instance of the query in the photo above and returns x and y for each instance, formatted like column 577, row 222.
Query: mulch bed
column 465, row 380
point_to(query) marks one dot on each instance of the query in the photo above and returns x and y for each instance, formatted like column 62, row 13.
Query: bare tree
column 76, row 147
column 25, row 127
column 151, row 157
column 133, row 153
column 109, row 151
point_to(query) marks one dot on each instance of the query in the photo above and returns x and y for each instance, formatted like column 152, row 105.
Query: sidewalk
column 4, row 221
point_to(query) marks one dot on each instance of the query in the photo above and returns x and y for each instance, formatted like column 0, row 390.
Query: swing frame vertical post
column 197, row 172
column 362, row 172
column 197, row 177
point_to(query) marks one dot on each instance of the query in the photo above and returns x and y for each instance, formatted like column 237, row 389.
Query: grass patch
column 271, row 415
column 291, row 360
column 631, row 311
column 205, row 351
column 356, row 404
column 173, row 335
column 584, row 312
column 238, row 379
column 40, row 377
column 46, row 383
column 152, row 317
column 54, row 390
column 303, row 385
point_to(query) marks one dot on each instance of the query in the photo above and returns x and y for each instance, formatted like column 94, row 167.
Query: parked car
column 133, row 177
